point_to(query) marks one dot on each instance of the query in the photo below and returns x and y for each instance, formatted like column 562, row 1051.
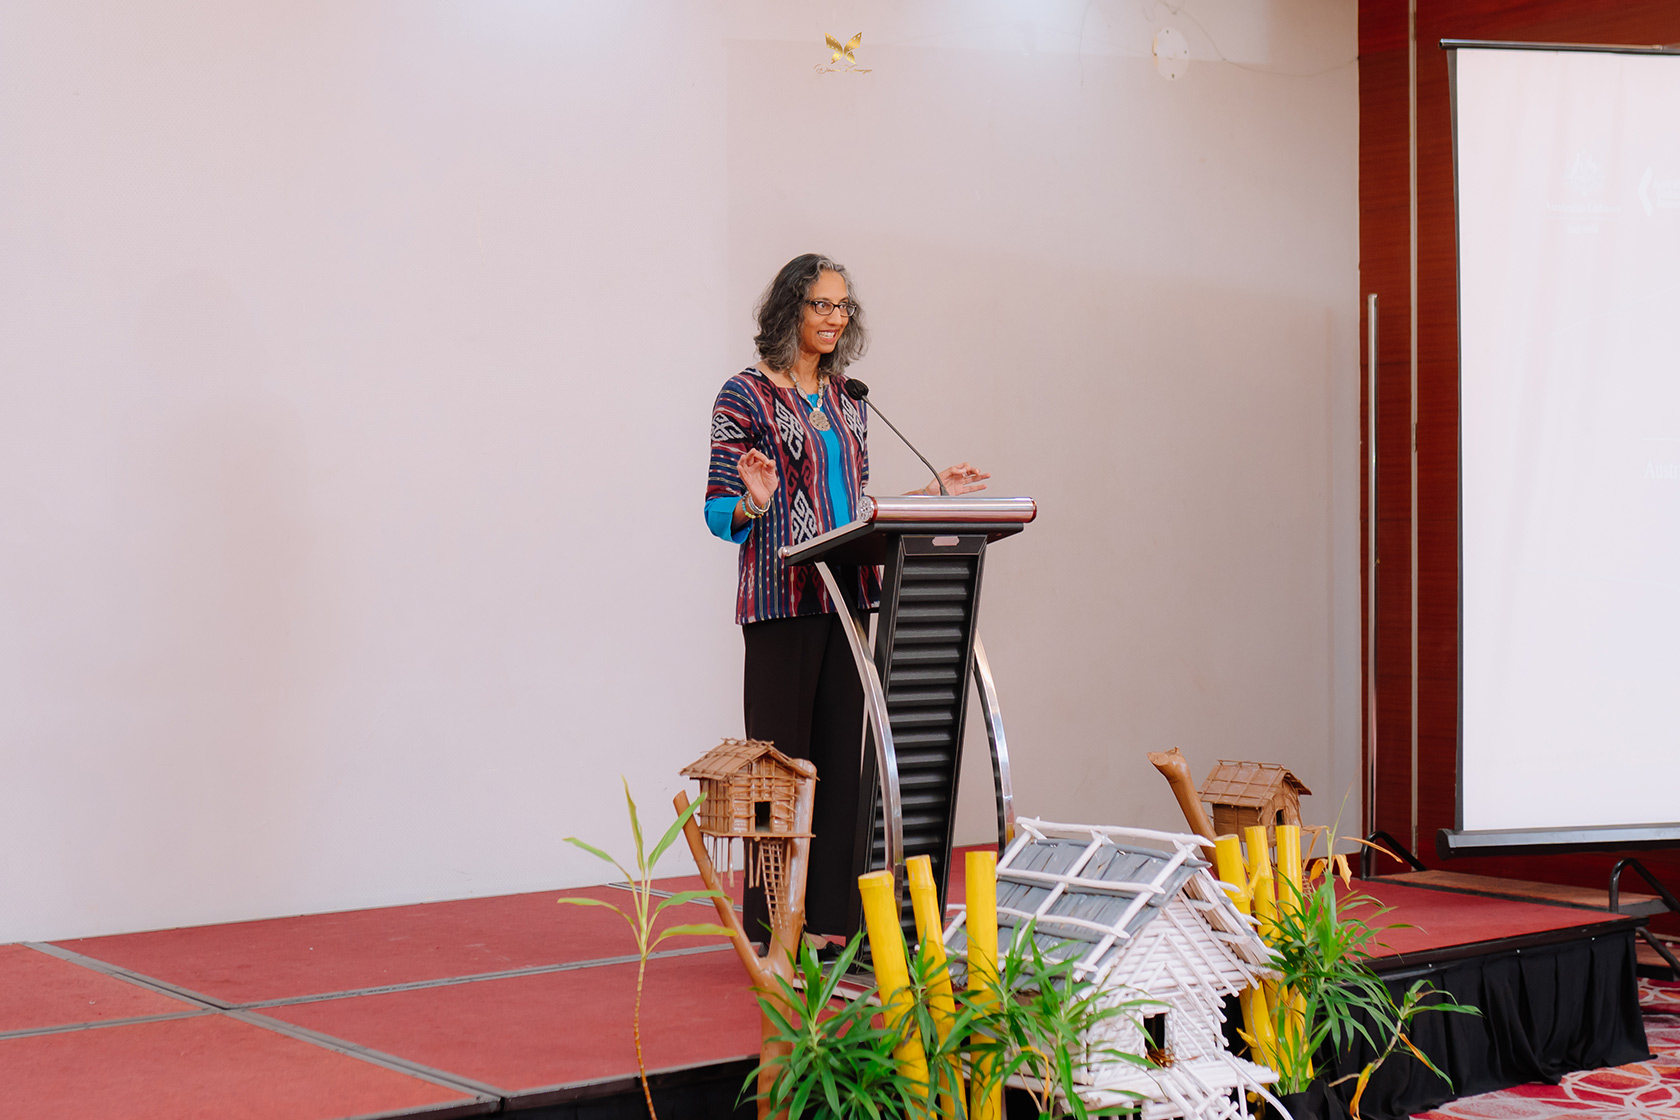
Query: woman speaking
column 790, row 457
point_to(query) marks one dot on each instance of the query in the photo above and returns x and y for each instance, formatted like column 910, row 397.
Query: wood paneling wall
column 1385, row 268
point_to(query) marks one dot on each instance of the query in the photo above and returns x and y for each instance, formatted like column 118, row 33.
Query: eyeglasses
column 823, row 307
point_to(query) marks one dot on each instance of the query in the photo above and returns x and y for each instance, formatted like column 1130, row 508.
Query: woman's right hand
column 758, row 474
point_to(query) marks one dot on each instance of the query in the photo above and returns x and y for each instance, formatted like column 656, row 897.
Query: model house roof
column 1248, row 784
column 729, row 757
column 1093, row 890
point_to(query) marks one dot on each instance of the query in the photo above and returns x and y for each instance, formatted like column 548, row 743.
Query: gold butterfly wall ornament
column 844, row 51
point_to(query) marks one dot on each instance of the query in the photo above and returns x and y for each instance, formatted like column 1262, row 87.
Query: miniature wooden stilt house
column 761, row 797
column 1250, row 793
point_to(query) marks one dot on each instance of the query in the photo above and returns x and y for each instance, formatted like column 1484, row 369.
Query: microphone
column 858, row 391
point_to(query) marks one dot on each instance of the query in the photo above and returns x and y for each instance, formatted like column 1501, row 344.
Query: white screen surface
column 1569, row 270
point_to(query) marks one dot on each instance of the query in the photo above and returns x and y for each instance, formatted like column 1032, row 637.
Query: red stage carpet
column 458, row 1008
column 1441, row 925
column 452, row 1008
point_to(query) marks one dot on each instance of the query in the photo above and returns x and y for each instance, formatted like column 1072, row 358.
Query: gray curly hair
column 781, row 311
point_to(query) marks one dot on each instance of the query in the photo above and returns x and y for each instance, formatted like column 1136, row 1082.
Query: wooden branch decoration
column 761, row 973
column 1176, row 770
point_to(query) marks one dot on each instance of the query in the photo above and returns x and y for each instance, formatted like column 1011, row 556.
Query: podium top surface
column 863, row 541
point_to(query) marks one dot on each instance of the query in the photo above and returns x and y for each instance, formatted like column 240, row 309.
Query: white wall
column 354, row 367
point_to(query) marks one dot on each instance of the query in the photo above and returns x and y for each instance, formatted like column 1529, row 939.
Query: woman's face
column 818, row 334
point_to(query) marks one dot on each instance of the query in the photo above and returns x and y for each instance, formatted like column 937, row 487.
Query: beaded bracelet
column 754, row 511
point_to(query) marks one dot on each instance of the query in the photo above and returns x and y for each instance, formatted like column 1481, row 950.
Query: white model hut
column 1150, row 922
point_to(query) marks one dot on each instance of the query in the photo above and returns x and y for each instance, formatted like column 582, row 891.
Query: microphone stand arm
column 941, row 483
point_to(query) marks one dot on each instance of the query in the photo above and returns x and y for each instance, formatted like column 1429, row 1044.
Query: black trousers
column 802, row 693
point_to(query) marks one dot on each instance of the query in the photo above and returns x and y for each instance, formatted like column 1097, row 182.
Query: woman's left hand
column 960, row 479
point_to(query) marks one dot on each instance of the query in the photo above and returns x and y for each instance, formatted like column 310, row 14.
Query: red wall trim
column 1384, row 250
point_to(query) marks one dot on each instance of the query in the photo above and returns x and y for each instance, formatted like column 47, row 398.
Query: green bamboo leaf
column 694, row 929
column 598, row 902
column 784, row 1029
column 842, row 965
column 598, row 854
column 572, row 901
column 682, row 897
column 635, row 826
column 1064, row 1067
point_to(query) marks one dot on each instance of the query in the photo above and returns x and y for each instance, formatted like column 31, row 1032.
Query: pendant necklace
column 818, row 419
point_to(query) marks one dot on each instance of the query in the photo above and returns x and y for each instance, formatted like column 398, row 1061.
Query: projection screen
column 1568, row 195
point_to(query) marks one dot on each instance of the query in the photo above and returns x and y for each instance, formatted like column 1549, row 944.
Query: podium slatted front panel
column 924, row 642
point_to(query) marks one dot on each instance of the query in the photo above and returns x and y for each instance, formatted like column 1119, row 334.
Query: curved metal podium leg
column 1000, row 746
column 875, row 703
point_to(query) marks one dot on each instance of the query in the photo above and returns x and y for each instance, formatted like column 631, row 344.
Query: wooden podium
column 931, row 551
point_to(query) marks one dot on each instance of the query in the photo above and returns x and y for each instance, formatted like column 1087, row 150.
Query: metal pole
column 1370, row 573
column 1412, row 87
column 1001, row 781
column 875, row 705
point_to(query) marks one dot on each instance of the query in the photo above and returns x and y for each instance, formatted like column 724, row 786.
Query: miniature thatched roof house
column 1148, row 921
column 1249, row 793
column 758, row 795
column 751, row 789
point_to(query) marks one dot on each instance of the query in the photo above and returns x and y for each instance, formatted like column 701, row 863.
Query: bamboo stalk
column 924, row 897
column 1289, row 897
column 1289, row 866
column 1228, row 859
column 892, row 972
column 1257, row 1018
column 1260, row 883
column 981, row 868
column 1258, row 1013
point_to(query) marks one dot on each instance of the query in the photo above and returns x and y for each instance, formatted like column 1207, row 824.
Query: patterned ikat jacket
column 752, row 411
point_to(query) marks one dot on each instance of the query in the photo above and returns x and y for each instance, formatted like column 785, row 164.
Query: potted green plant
column 1030, row 1024
column 1332, row 999
column 834, row 1061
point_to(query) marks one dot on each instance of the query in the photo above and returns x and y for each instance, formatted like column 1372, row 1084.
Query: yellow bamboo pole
column 981, row 868
column 942, row 1005
column 1257, row 1014
column 1289, row 867
column 1289, row 897
column 1262, row 887
column 1257, row 1019
column 892, row 972
column 1228, row 860
column 1260, row 877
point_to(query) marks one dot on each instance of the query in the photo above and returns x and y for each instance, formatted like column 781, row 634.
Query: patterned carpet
column 1641, row 1091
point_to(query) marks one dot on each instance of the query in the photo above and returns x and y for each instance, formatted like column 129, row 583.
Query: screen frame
column 1459, row 841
